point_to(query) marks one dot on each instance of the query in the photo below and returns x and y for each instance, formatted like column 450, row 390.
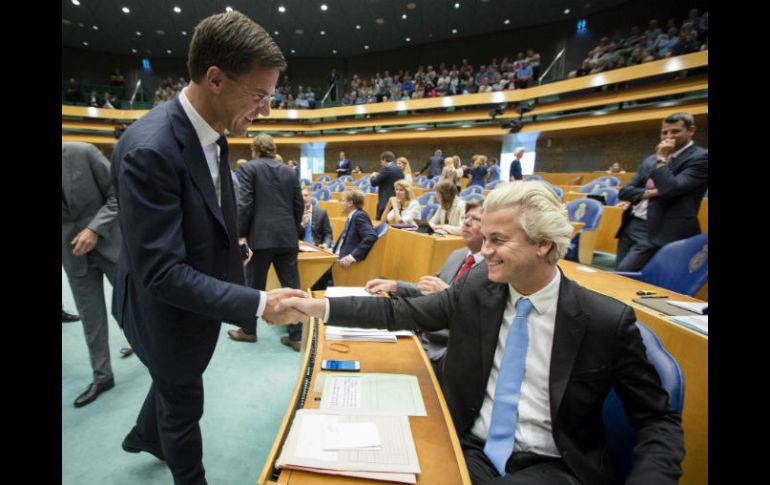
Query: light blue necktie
column 505, row 410
column 308, row 230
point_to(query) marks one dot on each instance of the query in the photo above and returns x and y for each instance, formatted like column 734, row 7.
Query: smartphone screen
column 349, row 365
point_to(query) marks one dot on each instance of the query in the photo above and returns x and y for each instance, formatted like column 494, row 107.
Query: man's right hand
column 378, row 285
column 275, row 313
column 312, row 307
column 431, row 284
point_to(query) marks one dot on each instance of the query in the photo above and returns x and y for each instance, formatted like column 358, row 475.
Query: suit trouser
column 285, row 262
column 170, row 415
column 634, row 246
column 88, row 291
column 522, row 468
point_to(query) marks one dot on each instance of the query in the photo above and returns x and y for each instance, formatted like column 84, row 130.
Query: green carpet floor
column 247, row 389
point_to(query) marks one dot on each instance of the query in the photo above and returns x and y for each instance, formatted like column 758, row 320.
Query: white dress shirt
column 533, row 426
column 208, row 136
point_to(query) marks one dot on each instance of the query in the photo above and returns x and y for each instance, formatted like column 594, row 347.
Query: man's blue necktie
column 505, row 410
column 309, row 231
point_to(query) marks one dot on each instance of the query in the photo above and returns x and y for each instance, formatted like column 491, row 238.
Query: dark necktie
column 505, row 408
column 465, row 267
column 229, row 211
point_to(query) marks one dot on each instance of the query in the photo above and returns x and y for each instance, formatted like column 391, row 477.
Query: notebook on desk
column 423, row 226
column 663, row 306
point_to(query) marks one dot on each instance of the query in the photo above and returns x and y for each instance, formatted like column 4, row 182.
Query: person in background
column 448, row 219
column 402, row 208
column 315, row 223
column 478, row 171
column 343, row 166
column 616, row 168
column 514, row 172
column 493, row 170
column 434, row 164
column 403, row 164
column 388, row 175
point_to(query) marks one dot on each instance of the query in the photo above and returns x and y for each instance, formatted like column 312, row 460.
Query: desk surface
column 438, row 449
column 311, row 266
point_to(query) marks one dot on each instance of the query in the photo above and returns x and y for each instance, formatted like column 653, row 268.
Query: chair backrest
column 314, row 201
column 610, row 180
column 587, row 211
column 435, row 178
column 362, row 180
column 323, row 178
column 381, row 230
column 323, row 194
column 336, row 187
column 316, row 186
column 428, row 211
column 427, row 198
column 610, row 195
column 620, row 435
column 346, row 178
column 533, row 177
column 492, row 185
column 592, row 187
column 473, row 189
column 472, row 196
column 419, row 179
column 428, row 184
column 371, row 189
column 305, row 182
column 681, row 266
column 557, row 190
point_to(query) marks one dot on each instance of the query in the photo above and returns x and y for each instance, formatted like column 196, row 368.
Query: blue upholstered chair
column 620, row 435
column 533, row 177
column 316, row 186
column 610, row 180
column 362, row 180
column 592, row 187
column 472, row 196
column 557, row 190
column 323, row 178
column 428, row 211
column 473, row 189
column 336, row 187
column 322, row 194
column 371, row 189
column 589, row 212
column 346, row 178
column 305, row 182
column 492, row 185
column 681, row 266
column 314, row 201
column 427, row 198
column 610, row 195
column 419, row 180
column 428, row 184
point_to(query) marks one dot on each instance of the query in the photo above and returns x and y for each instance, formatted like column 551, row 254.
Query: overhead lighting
column 81, row 24
column 168, row 51
column 454, row 31
column 85, row 44
column 138, row 33
column 358, row 27
column 323, row 32
column 403, row 16
column 507, row 21
column 126, row 10
column 293, row 51
column 324, row 8
column 184, row 32
column 457, row 5
column 95, row 27
column 281, row 8
column 566, row 11
column 228, row 9
column 379, row 20
column 408, row 39
column 299, row 31
column 76, row 3
column 334, row 51
column 133, row 50
column 160, row 32
column 275, row 32
column 177, row 9
column 366, row 47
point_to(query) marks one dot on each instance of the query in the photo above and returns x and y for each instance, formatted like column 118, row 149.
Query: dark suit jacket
column 359, row 237
column 389, row 174
column 177, row 272
column 436, row 164
column 674, row 214
column 270, row 205
column 515, row 170
column 345, row 166
column 321, row 228
column 596, row 346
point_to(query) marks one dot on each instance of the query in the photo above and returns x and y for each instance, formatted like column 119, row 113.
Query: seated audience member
column 94, row 101
column 358, row 236
column 315, row 222
column 403, row 207
column 458, row 262
column 73, row 94
column 403, row 164
column 493, row 170
column 357, row 169
column 533, row 356
column 478, row 171
column 448, row 218
column 616, row 168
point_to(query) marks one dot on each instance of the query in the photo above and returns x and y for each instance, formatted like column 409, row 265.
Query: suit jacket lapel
column 492, row 308
column 570, row 327
column 192, row 153
column 677, row 162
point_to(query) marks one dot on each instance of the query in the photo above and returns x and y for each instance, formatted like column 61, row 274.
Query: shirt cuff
column 262, row 303
column 351, row 257
column 326, row 313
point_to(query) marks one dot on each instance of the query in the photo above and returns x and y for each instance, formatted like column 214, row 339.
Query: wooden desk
column 311, row 266
column 410, row 255
column 688, row 347
column 438, row 448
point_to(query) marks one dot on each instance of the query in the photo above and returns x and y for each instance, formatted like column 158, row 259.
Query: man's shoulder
column 601, row 308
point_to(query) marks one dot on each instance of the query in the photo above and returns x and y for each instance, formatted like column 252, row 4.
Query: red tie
column 465, row 267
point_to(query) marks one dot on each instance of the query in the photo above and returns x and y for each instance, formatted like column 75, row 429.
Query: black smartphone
column 244, row 251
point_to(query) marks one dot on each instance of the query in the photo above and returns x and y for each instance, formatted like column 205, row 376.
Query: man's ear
column 543, row 246
column 214, row 78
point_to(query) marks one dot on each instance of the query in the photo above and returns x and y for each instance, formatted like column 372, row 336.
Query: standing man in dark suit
column 514, row 172
column 388, row 175
column 434, row 165
column 269, row 215
column 457, row 264
column 664, row 195
column 317, row 220
column 533, row 356
column 343, row 166
column 90, row 245
column 180, row 271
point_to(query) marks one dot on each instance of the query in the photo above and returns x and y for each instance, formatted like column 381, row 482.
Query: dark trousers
column 285, row 262
column 522, row 468
column 634, row 246
column 170, row 415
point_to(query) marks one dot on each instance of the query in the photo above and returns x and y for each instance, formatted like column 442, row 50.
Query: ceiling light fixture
column 334, row 51
column 177, row 9
column 323, row 32
column 454, row 31
column 457, row 5
column 379, row 20
column 358, row 27
column 133, row 50
column 138, row 33
column 184, row 32
column 85, row 44
column 566, row 11
column 366, row 47
column 76, row 3
column 293, row 51
column 507, row 21
column 403, row 16
column 324, row 8
column 228, row 9
column 168, row 51
column 95, row 27
column 126, row 10
column 408, row 39
column 281, row 8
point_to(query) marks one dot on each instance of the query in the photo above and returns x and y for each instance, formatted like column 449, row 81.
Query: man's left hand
column 346, row 261
column 84, row 242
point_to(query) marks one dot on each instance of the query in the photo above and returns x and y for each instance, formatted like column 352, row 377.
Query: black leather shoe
column 294, row 344
column 240, row 336
column 134, row 444
column 93, row 392
column 68, row 317
column 126, row 351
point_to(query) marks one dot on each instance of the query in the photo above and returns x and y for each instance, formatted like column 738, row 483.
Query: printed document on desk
column 693, row 306
column 303, row 449
column 338, row 291
column 398, row 393
column 699, row 323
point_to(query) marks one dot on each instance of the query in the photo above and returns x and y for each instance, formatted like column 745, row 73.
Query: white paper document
column 350, row 436
column 308, row 249
column 699, row 323
column 586, row 269
column 365, row 392
column 364, row 334
column 337, row 291
column 693, row 306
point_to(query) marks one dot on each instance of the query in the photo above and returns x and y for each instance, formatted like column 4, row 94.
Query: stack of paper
column 373, row 445
column 364, row 334
column 699, row 323
column 365, row 392
column 693, row 306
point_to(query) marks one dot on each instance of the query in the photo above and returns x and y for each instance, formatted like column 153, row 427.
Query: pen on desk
column 654, row 296
column 645, row 292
